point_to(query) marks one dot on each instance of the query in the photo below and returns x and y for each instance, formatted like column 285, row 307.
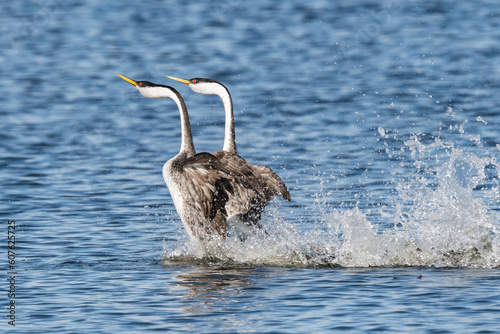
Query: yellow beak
column 128, row 80
column 186, row 82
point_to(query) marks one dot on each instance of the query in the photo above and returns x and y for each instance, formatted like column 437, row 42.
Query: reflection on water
column 211, row 288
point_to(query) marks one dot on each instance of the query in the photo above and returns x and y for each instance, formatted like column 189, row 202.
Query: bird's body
column 263, row 183
column 200, row 184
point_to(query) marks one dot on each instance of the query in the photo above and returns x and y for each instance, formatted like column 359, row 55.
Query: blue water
column 381, row 117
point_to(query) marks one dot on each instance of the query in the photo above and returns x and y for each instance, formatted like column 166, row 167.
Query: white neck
column 214, row 88
column 229, row 129
column 187, row 144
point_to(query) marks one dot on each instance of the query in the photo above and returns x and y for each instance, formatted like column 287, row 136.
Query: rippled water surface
column 381, row 117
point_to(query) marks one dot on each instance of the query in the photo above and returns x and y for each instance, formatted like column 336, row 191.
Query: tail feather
column 273, row 182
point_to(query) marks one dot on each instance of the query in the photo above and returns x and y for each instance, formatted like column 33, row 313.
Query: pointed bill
column 128, row 80
column 184, row 81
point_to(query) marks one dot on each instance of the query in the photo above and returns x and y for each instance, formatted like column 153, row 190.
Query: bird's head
column 202, row 85
column 150, row 89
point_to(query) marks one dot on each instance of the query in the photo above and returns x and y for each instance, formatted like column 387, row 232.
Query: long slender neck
column 187, row 144
column 229, row 132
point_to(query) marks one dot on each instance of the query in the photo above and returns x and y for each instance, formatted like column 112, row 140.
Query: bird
column 244, row 212
column 199, row 183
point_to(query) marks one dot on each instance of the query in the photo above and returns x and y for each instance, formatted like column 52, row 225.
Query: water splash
column 444, row 216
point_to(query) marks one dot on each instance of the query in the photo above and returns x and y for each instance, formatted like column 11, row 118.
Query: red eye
column 194, row 81
column 140, row 83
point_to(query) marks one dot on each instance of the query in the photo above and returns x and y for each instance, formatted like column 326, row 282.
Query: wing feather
column 209, row 185
column 223, row 184
column 253, row 187
column 261, row 178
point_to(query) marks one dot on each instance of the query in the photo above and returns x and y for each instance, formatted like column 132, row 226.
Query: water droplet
column 381, row 131
column 480, row 119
